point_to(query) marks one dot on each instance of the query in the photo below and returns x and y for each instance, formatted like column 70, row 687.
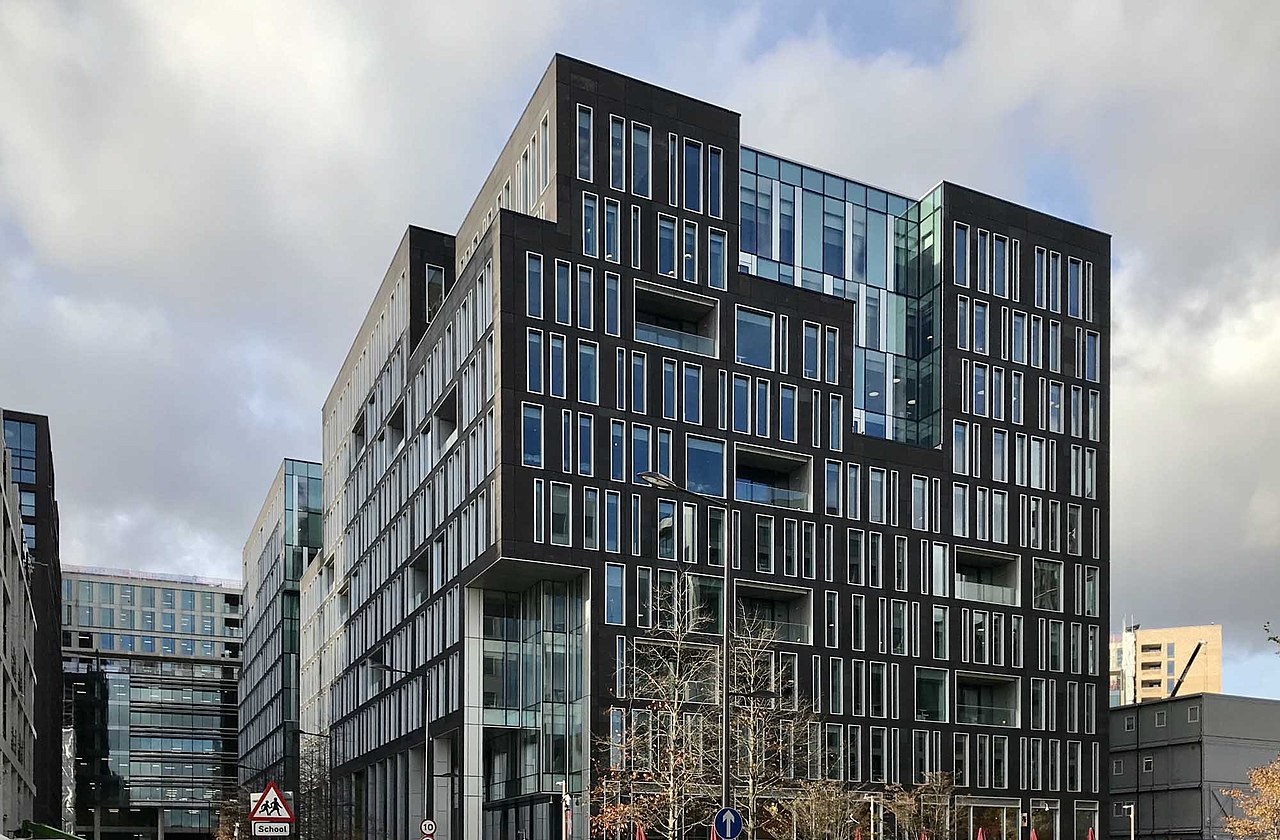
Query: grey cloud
column 206, row 198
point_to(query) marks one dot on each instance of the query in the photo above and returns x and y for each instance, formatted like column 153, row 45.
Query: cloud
column 196, row 204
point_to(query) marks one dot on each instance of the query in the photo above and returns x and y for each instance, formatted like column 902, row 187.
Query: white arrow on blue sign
column 728, row 824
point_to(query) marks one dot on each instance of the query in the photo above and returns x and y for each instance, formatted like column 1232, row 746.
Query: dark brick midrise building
column 26, row 436
column 899, row 404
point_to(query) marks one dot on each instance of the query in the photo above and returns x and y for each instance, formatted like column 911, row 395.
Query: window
column 666, row 246
column 741, row 403
column 960, row 447
column 787, row 413
column 590, row 231
column 669, row 389
column 532, row 435
column 1193, row 714
column 960, row 269
column 979, row 327
column 584, row 143
column 533, row 362
column 586, row 297
column 1129, row 723
column 564, row 293
column 1162, row 716
column 1148, row 763
column 876, row 495
column 809, row 351
column 561, row 514
column 533, row 285
column 586, row 444
column 704, row 465
column 640, row 462
column 692, row 394
column 690, row 251
column 754, row 338
column 612, row 304
column 960, row 510
column 715, row 179
column 1046, row 584
column 612, row 234
column 614, row 608
column 831, row 356
column 555, row 385
column 635, row 237
column 639, row 383
column 641, row 161
column 717, row 263
column 617, row 153
column 692, row 175
column 919, row 503
column 587, row 379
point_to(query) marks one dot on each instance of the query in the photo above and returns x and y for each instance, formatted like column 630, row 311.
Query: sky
column 198, row 201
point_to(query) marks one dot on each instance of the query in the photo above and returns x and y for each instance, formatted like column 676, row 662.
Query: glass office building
column 151, row 666
column 285, row 539
column 893, row 411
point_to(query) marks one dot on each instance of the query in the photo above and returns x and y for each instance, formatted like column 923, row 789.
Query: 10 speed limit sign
column 428, row 827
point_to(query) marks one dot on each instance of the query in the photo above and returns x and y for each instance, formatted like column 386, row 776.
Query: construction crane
column 1194, row 653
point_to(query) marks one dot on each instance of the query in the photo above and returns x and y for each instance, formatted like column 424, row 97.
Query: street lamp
column 1131, row 808
column 660, row 482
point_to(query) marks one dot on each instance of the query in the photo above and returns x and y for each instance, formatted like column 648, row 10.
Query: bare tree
column 314, row 799
column 825, row 809
column 233, row 811
column 660, row 764
column 662, row 747
column 776, row 737
column 924, row 810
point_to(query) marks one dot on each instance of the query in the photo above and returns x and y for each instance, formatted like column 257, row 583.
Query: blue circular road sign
column 728, row 824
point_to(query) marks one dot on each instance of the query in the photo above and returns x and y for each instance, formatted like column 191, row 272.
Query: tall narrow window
column 692, row 394
column 612, row 235
column 531, row 435
column 717, row 266
column 564, row 292
column 787, row 413
column 693, row 176
column 635, row 237
column 533, row 285
column 612, row 304
column 614, row 611
column 673, row 170
column 617, row 154
column 590, row 231
column 584, row 143
column 667, row 246
column 586, row 297
column 960, row 269
column 555, row 387
column 587, row 378
column 715, row 181
column 533, row 362
column 641, row 161
column 690, row 272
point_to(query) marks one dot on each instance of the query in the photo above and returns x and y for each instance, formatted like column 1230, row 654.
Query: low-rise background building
column 152, row 666
column 1146, row 662
column 1173, row 760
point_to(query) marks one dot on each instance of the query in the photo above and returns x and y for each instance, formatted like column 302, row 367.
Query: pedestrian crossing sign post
column 271, row 815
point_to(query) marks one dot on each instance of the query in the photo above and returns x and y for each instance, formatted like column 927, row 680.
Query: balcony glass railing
column 767, row 494
column 784, row 631
column 675, row 339
column 989, row 593
column 986, row 715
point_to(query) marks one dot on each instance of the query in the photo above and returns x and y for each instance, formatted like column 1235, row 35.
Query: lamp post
column 661, row 482
column 377, row 665
column 1131, row 808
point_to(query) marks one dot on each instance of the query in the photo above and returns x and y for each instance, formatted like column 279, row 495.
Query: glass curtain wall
column 812, row 229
